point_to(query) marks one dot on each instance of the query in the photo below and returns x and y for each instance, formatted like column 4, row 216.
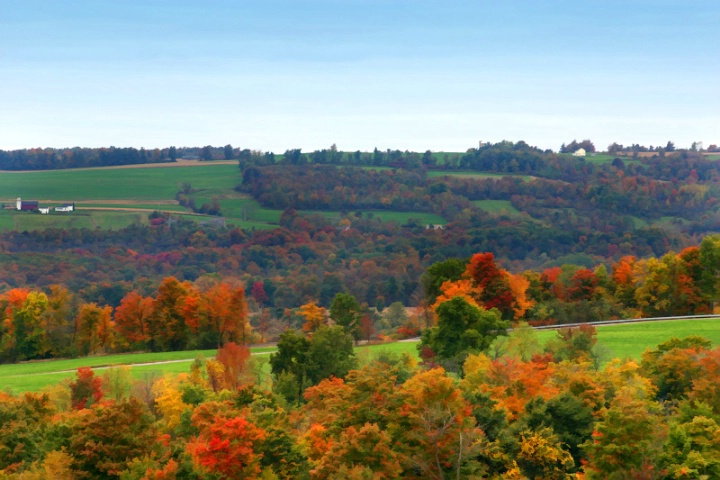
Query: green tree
column 439, row 273
column 228, row 151
column 346, row 312
column 692, row 449
column 301, row 362
column 462, row 329
column 331, row 353
column 627, row 441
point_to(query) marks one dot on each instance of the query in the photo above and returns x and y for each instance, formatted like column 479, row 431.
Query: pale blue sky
column 418, row 75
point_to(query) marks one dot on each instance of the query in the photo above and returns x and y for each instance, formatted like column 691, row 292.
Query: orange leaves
column 511, row 383
column 623, row 272
column 224, row 309
column 460, row 288
column 364, row 451
column 233, row 358
column 178, row 310
column 519, row 285
column 131, row 317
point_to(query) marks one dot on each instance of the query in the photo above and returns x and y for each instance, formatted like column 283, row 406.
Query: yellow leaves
column 314, row 316
column 56, row 465
column 168, row 400
column 625, row 377
column 542, row 449
column 475, row 369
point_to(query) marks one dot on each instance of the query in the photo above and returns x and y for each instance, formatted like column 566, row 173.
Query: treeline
column 506, row 157
column 684, row 283
column 77, row 157
column 180, row 316
column 55, row 159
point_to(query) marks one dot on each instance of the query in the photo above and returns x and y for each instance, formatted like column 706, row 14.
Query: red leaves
column 86, row 389
column 227, row 447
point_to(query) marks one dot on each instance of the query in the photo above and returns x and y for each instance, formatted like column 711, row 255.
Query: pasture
column 617, row 341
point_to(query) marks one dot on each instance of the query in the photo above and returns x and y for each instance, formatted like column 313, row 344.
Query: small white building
column 44, row 210
column 580, row 152
column 68, row 207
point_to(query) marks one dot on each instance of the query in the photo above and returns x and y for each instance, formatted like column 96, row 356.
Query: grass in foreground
column 619, row 341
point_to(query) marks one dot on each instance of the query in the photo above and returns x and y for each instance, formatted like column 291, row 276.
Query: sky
column 418, row 75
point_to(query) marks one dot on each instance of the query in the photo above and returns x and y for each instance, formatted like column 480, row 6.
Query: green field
column 384, row 215
column 601, row 158
column 147, row 183
column 498, row 207
column 170, row 207
column 617, row 341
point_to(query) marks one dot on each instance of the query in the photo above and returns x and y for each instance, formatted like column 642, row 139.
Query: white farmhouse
column 580, row 152
column 68, row 207
column 44, row 210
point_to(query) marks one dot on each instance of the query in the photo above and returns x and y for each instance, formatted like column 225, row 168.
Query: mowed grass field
column 617, row 341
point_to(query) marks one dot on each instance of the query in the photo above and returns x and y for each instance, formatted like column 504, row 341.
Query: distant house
column 24, row 205
column 436, row 226
column 44, row 210
column 580, row 152
column 68, row 207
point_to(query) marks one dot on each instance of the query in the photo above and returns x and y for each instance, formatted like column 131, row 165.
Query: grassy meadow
column 617, row 341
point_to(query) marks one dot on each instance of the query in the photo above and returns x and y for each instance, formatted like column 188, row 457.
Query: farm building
column 580, row 152
column 68, row 207
column 44, row 210
column 26, row 205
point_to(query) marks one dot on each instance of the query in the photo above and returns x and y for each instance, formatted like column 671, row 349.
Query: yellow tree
column 168, row 400
column 314, row 316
